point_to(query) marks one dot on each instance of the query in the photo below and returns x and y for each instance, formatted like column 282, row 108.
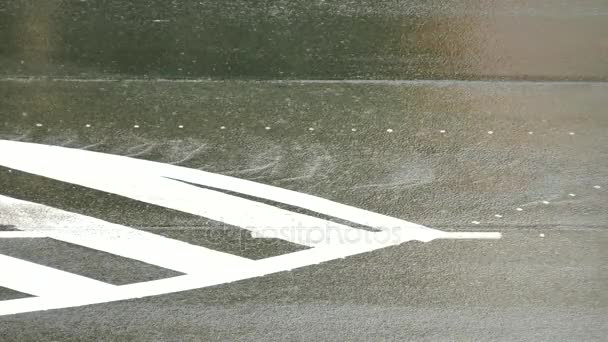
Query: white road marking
column 472, row 235
column 150, row 182
column 261, row 218
column 112, row 238
column 158, row 184
column 42, row 281
column 18, row 235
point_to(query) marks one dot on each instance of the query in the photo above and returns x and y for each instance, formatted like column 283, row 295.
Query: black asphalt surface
column 443, row 113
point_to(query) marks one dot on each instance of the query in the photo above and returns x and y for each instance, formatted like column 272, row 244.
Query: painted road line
column 149, row 182
column 21, row 235
column 38, row 280
column 259, row 268
column 116, row 239
column 69, row 223
column 161, row 184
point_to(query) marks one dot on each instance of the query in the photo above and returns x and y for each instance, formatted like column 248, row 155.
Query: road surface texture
column 457, row 115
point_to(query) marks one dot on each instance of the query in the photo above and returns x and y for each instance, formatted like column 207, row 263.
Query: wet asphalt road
column 491, row 108
column 301, row 39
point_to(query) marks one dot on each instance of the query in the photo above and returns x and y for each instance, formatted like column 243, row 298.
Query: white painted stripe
column 471, row 235
column 259, row 268
column 16, row 235
column 148, row 182
column 22, row 305
column 116, row 239
column 189, row 282
column 297, row 199
column 38, row 280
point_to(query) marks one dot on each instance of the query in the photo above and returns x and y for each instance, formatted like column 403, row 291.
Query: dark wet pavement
column 332, row 39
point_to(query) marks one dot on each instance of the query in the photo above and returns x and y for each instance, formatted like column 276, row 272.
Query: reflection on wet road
column 332, row 39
